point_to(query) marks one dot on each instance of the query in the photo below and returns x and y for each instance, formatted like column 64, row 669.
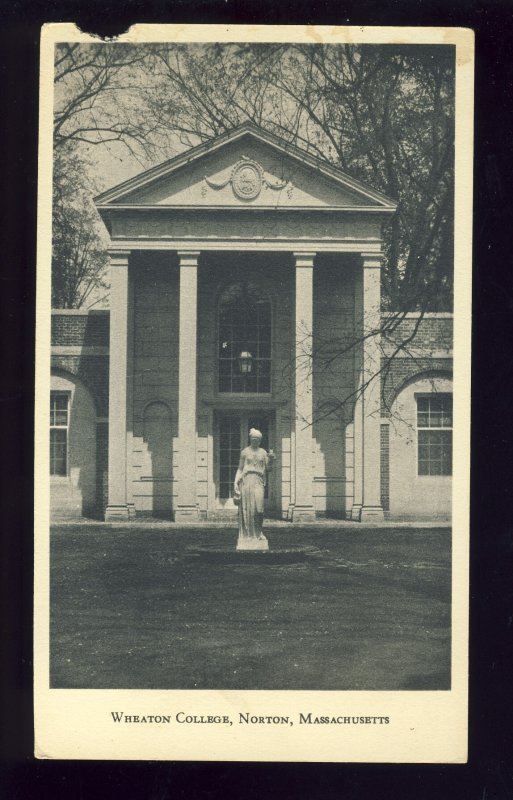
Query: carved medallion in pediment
column 247, row 179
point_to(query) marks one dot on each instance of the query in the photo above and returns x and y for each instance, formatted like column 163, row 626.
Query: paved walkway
column 319, row 524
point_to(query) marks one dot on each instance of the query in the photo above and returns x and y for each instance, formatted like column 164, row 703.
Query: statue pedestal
column 245, row 543
column 229, row 556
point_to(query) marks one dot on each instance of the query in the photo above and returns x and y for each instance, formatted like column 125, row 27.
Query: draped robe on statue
column 250, row 482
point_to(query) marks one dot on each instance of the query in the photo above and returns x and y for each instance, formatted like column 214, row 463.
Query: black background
column 489, row 773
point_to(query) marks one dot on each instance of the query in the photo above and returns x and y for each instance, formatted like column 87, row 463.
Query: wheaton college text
column 245, row 718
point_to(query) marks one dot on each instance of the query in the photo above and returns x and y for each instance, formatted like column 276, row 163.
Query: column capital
column 188, row 258
column 304, row 259
column 372, row 260
column 119, row 258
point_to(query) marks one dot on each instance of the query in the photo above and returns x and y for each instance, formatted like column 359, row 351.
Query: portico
column 245, row 221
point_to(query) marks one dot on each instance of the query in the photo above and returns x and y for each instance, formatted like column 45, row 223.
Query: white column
column 117, row 508
column 130, row 368
column 358, row 405
column 303, row 510
column 371, row 510
column 187, row 506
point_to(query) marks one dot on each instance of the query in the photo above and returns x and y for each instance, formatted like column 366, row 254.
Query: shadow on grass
column 368, row 610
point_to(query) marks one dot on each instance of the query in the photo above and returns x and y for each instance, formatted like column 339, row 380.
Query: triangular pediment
column 245, row 168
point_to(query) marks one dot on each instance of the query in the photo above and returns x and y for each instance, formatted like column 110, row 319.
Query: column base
column 116, row 513
column 303, row 514
column 372, row 514
column 187, row 514
column 355, row 513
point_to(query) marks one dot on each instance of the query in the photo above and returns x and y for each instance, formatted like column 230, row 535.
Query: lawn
column 369, row 609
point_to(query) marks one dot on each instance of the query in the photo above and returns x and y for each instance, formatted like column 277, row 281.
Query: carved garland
column 247, row 178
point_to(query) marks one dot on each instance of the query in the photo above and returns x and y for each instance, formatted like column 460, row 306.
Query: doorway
column 231, row 436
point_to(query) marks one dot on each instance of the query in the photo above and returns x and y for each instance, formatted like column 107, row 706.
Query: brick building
column 245, row 291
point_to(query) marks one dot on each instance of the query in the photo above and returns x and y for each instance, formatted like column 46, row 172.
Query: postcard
column 253, row 394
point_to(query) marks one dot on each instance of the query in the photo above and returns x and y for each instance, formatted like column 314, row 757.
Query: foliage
column 99, row 101
column 79, row 257
column 385, row 114
column 99, row 96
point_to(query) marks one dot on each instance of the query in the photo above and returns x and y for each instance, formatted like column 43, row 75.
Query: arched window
column 244, row 340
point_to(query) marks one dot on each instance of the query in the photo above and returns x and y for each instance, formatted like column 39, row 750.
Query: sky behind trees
column 384, row 114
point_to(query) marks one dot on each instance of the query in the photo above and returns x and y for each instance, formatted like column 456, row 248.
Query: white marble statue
column 250, row 482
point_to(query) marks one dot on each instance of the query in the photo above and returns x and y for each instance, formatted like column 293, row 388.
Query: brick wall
column 413, row 333
column 412, row 346
column 425, row 349
column 85, row 329
column 399, row 371
column 93, row 371
column 385, row 467
column 102, row 447
column 84, row 337
column 425, row 344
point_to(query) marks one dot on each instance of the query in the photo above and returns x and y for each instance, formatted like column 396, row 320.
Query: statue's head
column 255, row 437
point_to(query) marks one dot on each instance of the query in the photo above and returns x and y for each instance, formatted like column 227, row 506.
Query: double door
column 232, row 435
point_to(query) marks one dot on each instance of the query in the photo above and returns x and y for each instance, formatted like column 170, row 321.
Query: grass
column 370, row 610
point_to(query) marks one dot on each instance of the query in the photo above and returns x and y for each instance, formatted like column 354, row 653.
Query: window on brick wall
column 434, row 430
column 59, row 427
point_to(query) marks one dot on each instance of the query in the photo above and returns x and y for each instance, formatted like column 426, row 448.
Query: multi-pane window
column 59, row 423
column 244, row 341
column 229, row 454
column 434, row 428
column 233, row 437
